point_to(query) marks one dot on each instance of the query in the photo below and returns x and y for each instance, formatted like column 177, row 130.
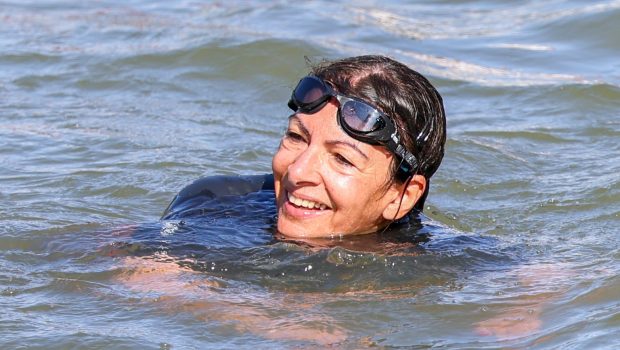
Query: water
column 107, row 109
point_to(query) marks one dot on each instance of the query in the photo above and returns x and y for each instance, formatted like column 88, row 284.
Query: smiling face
column 327, row 183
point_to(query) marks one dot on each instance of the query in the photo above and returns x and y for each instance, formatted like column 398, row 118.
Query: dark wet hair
column 403, row 94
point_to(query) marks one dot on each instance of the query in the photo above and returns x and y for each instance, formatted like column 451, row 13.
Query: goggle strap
column 410, row 160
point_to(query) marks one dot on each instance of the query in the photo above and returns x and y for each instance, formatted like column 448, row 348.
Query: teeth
column 305, row 203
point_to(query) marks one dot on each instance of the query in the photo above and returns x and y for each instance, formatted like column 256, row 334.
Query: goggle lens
column 310, row 92
column 361, row 117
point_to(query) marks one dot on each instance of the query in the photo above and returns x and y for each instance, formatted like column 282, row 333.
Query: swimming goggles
column 357, row 118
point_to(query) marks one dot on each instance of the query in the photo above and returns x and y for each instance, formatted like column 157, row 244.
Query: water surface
column 108, row 109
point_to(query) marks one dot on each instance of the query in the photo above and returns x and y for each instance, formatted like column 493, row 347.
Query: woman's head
column 331, row 175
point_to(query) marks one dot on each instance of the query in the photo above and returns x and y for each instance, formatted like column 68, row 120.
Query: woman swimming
column 365, row 137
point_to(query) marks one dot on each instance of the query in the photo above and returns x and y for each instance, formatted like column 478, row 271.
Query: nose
column 305, row 169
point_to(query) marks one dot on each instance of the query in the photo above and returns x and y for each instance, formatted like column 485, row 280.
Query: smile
column 305, row 203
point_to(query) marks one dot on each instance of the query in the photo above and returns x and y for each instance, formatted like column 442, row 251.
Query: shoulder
column 211, row 187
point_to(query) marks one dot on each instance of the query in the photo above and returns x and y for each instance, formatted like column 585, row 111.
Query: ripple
column 460, row 70
column 424, row 22
column 109, row 108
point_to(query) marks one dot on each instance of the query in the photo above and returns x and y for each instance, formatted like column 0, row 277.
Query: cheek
column 277, row 167
column 348, row 192
column 356, row 193
column 279, row 163
column 359, row 205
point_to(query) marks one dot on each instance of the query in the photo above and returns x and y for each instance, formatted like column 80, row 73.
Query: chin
column 303, row 229
column 289, row 229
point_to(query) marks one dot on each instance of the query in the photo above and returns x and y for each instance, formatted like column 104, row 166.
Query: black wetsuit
column 207, row 188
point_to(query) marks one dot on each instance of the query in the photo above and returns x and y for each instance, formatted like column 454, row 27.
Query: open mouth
column 304, row 203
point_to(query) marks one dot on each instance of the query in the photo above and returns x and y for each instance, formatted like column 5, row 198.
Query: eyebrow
column 304, row 130
column 300, row 125
column 345, row 143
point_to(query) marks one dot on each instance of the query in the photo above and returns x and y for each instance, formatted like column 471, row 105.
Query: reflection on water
column 108, row 109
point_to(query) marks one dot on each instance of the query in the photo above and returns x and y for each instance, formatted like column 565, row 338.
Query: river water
column 109, row 108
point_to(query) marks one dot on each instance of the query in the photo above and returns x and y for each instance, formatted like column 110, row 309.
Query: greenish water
column 108, row 109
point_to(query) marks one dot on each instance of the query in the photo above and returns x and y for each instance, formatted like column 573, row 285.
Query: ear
column 404, row 197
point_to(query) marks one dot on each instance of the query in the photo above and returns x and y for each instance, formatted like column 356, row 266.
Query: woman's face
column 326, row 182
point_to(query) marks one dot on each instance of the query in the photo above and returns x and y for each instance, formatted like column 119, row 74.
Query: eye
column 342, row 160
column 293, row 136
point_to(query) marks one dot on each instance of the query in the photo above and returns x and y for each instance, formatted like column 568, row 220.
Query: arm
column 520, row 314
column 273, row 316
